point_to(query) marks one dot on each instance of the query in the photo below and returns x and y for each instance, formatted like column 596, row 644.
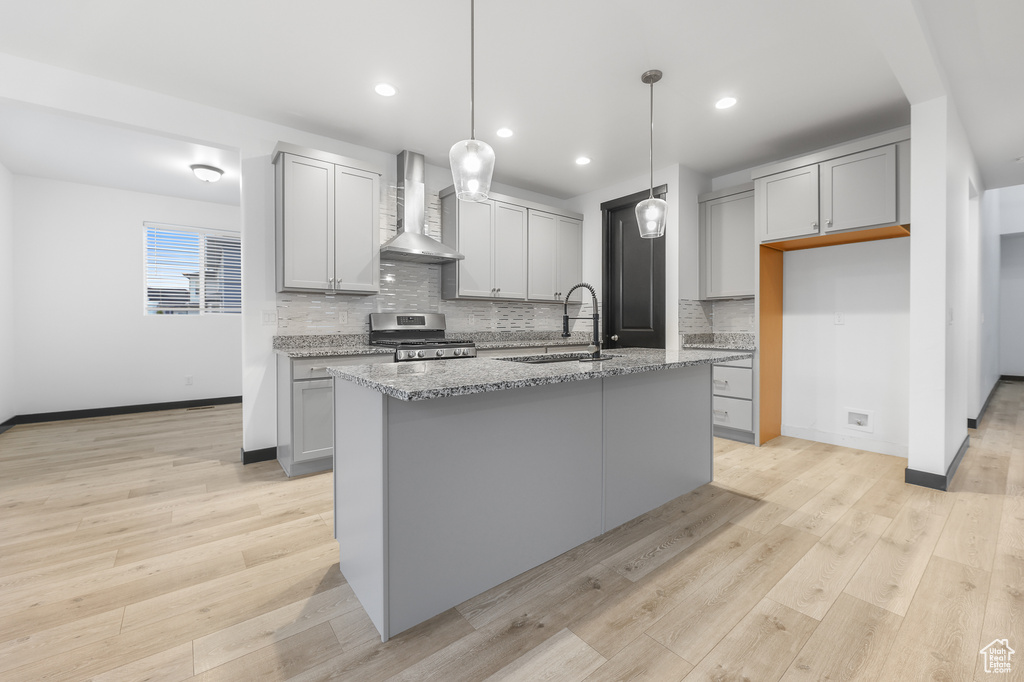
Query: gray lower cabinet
column 305, row 411
column 732, row 402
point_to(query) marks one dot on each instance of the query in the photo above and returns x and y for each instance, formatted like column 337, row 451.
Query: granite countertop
column 340, row 345
column 718, row 346
column 444, row 378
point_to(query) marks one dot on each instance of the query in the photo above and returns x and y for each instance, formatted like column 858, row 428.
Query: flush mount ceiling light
column 472, row 160
column 651, row 212
column 385, row 89
column 725, row 103
column 206, row 173
column 582, row 160
column 504, row 132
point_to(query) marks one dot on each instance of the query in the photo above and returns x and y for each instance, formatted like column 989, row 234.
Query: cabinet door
column 569, row 251
column 308, row 202
column 357, row 231
column 313, row 419
column 859, row 190
column 787, row 204
column 541, row 257
column 509, row 251
column 475, row 223
column 729, row 225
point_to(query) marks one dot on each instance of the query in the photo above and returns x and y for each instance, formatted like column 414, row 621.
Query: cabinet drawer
column 734, row 382
column 744, row 362
column 316, row 368
column 732, row 412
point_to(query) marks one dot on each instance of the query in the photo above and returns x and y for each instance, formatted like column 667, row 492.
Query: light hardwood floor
column 137, row 548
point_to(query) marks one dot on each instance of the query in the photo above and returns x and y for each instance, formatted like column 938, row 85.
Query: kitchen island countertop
column 443, row 378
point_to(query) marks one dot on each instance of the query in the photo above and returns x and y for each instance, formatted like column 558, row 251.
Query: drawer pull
column 724, row 382
column 724, row 413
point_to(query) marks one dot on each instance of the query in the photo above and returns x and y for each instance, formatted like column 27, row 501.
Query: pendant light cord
column 652, row 139
column 472, row 72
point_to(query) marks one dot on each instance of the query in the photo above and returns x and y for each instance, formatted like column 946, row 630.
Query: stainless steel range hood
column 412, row 242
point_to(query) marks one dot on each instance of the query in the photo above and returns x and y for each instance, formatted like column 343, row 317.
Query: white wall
column 861, row 364
column 82, row 338
column 1011, row 305
column 8, row 388
column 1011, row 209
column 988, row 322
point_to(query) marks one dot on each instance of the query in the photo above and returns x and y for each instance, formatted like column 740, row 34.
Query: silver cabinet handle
column 828, row 223
column 815, row 224
column 615, row 337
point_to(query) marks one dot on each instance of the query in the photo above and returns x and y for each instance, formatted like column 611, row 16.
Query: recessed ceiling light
column 385, row 89
column 582, row 160
column 725, row 103
column 505, row 132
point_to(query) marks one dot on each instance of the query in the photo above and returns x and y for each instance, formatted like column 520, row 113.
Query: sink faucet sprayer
column 595, row 347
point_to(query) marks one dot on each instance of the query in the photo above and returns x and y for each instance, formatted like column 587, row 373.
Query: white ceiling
column 563, row 74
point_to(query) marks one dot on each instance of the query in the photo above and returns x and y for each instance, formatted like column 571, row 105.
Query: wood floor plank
column 940, row 635
column 885, row 498
column 1004, row 608
column 851, row 643
column 42, row 643
column 889, row 575
column 705, row 615
column 971, row 530
column 562, row 658
column 817, row 580
column 760, row 647
column 819, row 513
column 642, row 660
column 170, row 665
column 279, row 661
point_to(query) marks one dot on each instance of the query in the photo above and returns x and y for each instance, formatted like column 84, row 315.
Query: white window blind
column 191, row 271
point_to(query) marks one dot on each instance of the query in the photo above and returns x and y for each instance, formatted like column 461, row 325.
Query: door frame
column 607, row 294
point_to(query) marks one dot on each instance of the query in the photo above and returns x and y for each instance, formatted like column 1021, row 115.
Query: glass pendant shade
column 472, row 164
column 650, row 217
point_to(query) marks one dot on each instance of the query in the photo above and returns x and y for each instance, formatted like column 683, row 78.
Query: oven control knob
column 420, row 354
column 439, row 353
column 457, row 351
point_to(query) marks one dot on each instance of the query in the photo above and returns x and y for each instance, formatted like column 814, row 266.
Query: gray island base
column 448, row 484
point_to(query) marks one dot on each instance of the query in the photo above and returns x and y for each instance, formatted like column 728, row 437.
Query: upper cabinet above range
column 328, row 222
column 862, row 184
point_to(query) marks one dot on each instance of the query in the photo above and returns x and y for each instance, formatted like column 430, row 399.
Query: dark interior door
column 634, row 278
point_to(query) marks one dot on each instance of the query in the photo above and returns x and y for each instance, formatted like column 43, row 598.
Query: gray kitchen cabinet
column 514, row 249
column 787, row 204
column 862, row 184
column 555, row 256
column 859, row 190
column 733, row 401
column 729, row 244
column 305, row 410
column 492, row 236
column 327, row 217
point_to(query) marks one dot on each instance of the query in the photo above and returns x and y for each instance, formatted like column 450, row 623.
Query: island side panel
column 360, row 495
column 486, row 486
column 657, row 437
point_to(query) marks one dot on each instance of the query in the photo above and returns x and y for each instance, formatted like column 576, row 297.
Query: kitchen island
column 452, row 476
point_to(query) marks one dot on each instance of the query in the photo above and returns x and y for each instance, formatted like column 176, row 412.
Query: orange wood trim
column 770, row 344
column 891, row 232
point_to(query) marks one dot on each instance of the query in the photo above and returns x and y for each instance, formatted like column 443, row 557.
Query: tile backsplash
column 415, row 287
column 701, row 321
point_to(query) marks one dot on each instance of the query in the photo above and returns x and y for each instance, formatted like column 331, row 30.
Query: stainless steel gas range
column 417, row 336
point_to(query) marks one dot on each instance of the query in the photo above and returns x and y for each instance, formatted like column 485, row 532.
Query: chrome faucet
column 595, row 347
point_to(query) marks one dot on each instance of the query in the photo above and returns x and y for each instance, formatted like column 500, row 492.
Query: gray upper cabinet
column 859, row 190
column 327, row 217
column 513, row 249
column 555, row 256
column 787, row 204
column 729, row 245
column 861, row 184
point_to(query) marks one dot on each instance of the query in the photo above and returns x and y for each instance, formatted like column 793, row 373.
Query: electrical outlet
column 342, row 317
column 840, row 318
column 270, row 318
column 188, row 379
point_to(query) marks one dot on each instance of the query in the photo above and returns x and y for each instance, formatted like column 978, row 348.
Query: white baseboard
column 849, row 441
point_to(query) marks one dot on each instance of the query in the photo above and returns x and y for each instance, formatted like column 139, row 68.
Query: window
column 192, row 271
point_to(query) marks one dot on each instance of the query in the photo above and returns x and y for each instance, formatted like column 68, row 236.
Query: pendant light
column 472, row 160
column 651, row 212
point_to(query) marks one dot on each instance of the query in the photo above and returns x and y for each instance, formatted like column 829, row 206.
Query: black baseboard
column 261, row 455
column 973, row 423
column 110, row 411
column 1011, row 377
column 927, row 479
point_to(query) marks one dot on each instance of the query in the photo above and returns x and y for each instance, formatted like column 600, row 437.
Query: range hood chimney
column 412, row 243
